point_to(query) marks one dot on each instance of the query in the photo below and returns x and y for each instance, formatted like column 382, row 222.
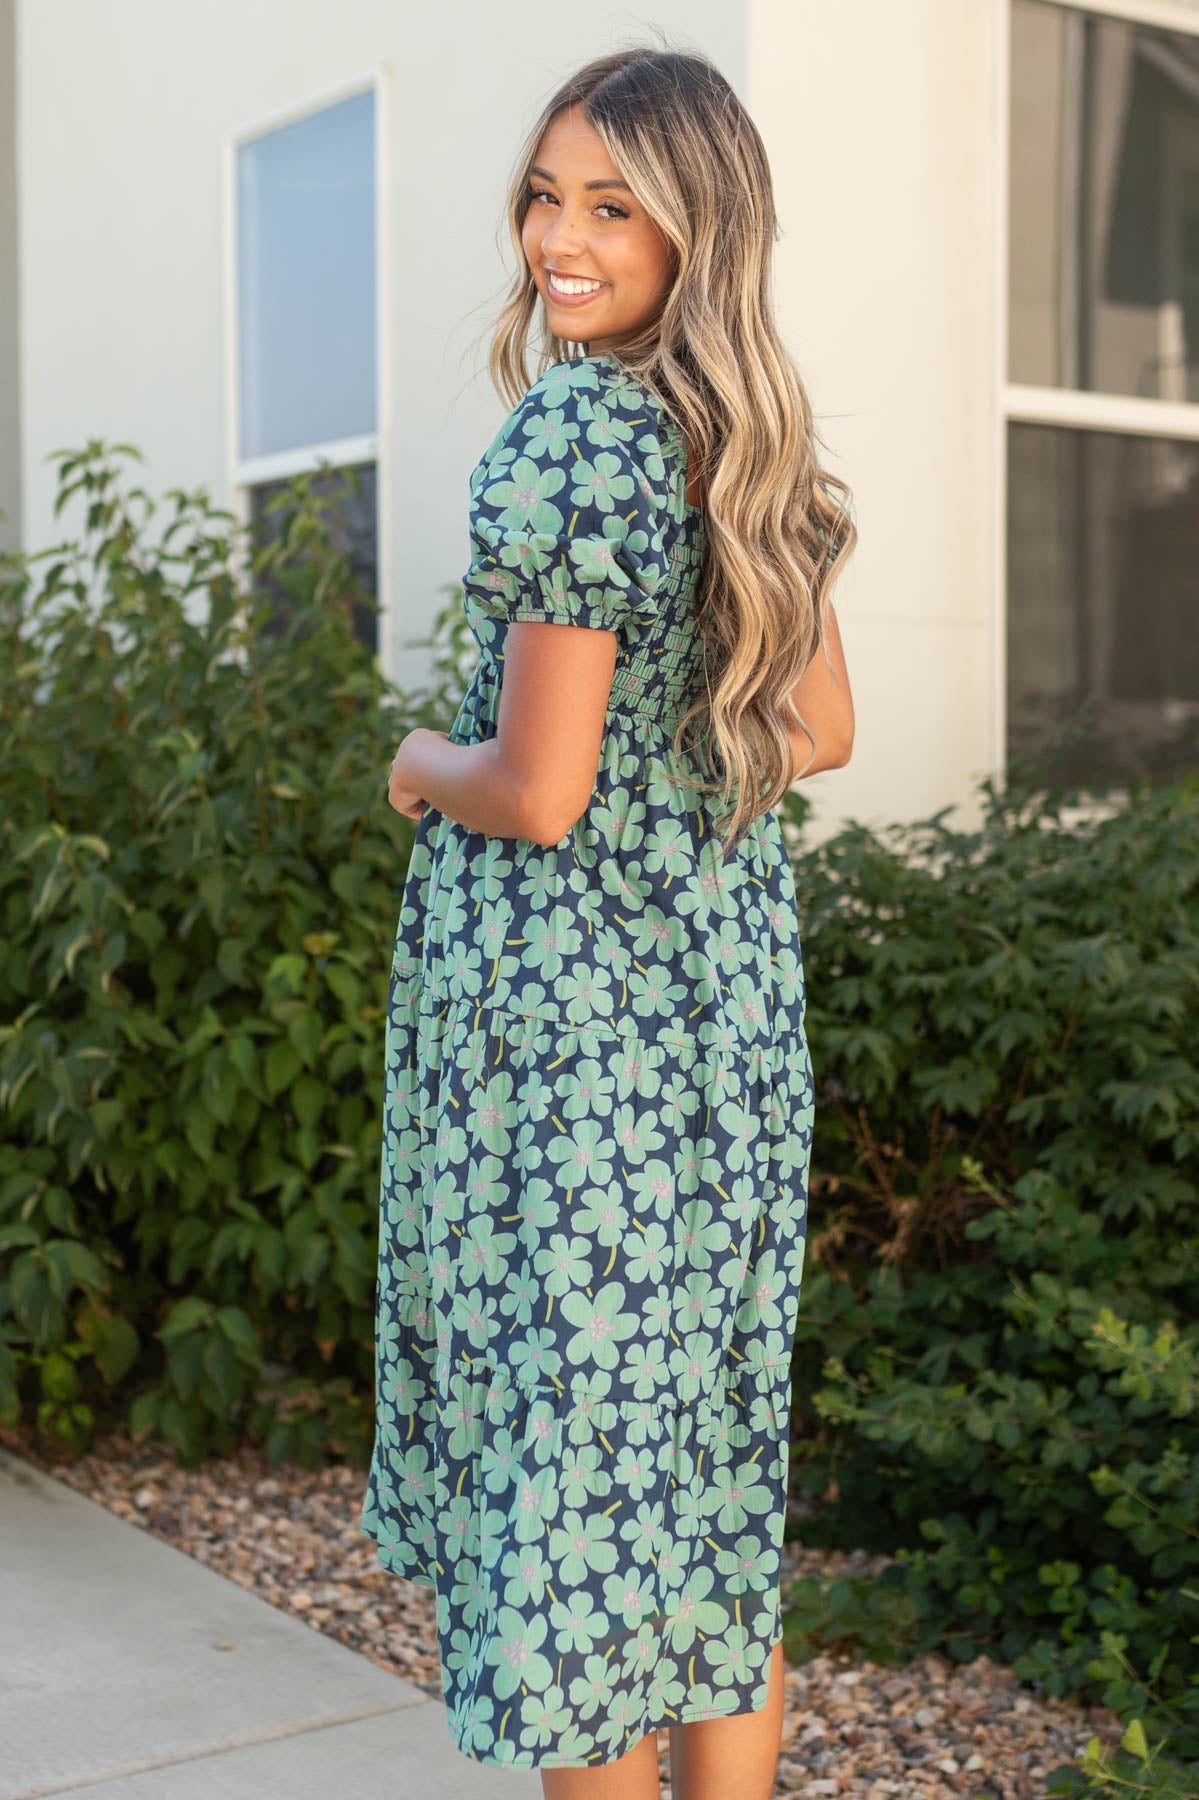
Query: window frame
column 245, row 473
column 1025, row 403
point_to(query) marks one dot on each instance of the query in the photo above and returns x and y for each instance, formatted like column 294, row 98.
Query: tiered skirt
column 590, row 1254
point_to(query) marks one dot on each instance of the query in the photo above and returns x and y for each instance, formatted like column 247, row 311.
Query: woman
column 599, row 1095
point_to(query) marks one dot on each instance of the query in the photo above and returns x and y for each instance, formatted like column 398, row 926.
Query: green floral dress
column 598, row 1118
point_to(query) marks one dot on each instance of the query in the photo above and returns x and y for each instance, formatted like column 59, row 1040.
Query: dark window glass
column 352, row 523
column 1104, row 222
column 1103, row 599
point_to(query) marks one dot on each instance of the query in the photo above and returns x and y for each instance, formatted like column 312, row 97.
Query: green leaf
column 346, row 985
column 200, row 1129
column 306, row 1031
column 116, row 1348
column 33, row 1300
column 143, row 1414
column 309, row 1098
column 243, row 1054
column 241, row 1334
column 219, row 1366
column 79, row 1264
column 190, row 1314
column 187, row 1362
column 281, row 1067
column 215, row 891
column 1134, row 1740
column 60, row 1379
column 287, row 974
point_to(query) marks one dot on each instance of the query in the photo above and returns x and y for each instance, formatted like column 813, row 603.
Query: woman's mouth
column 571, row 290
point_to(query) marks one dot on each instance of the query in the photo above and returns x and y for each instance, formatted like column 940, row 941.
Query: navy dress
column 597, row 1130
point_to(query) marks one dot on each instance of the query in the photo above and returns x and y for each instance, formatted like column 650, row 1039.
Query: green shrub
column 1024, row 992
column 996, row 1371
column 995, row 1365
column 199, row 871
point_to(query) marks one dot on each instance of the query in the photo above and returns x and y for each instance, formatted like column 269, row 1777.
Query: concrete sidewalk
column 130, row 1672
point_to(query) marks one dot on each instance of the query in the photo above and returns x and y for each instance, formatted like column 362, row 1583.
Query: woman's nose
column 561, row 234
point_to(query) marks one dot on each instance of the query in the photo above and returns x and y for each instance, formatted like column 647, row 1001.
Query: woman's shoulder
column 602, row 377
column 571, row 513
column 584, row 410
column 592, row 389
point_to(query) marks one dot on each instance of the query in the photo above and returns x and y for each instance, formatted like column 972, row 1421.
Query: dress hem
column 685, row 1716
column 392, row 1568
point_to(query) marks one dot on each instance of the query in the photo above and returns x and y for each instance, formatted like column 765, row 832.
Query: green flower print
column 596, row 1133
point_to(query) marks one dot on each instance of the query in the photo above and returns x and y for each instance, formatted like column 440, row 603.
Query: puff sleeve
column 569, row 508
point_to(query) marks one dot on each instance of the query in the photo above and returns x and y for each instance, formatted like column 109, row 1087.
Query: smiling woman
column 585, row 225
column 599, row 1099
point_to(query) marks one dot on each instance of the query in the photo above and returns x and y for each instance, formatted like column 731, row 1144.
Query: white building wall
column 887, row 144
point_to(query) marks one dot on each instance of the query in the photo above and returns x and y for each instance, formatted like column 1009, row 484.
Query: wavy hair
column 776, row 534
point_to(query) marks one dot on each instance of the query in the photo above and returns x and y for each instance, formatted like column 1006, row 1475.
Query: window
column 305, row 321
column 352, row 492
column 1102, row 399
column 1103, row 572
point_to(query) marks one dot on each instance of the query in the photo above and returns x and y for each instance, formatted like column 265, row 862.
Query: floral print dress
column 598, row 1118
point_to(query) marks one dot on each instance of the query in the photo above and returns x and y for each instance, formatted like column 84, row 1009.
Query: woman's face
column 594, row 233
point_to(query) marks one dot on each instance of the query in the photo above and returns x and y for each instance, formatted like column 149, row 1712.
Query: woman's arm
column 826, row 704
column 535, row 777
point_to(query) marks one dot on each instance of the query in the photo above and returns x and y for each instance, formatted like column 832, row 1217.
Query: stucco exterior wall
column 883, row 130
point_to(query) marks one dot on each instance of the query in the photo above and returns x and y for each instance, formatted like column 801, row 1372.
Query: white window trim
column 1170, row 15
column 254, row 470
column 1083, row 409
column 245, row 473
column 1101, row 412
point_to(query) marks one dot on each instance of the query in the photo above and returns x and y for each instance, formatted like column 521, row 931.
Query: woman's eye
column 609, row 206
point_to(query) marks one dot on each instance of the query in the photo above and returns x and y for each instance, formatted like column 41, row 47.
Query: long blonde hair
column 775, row 534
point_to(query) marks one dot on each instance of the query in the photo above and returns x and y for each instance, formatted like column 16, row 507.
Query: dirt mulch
column 930, row 1730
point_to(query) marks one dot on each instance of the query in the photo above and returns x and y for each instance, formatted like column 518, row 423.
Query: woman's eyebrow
column 615, row 182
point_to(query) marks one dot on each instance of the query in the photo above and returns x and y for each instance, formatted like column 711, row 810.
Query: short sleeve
column 569, row 506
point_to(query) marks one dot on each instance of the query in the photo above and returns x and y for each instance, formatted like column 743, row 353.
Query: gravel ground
column 929, row 1730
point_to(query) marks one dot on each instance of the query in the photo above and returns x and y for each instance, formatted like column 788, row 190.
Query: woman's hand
column 402, row 793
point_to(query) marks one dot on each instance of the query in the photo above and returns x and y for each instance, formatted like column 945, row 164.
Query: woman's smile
column 571, row 290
